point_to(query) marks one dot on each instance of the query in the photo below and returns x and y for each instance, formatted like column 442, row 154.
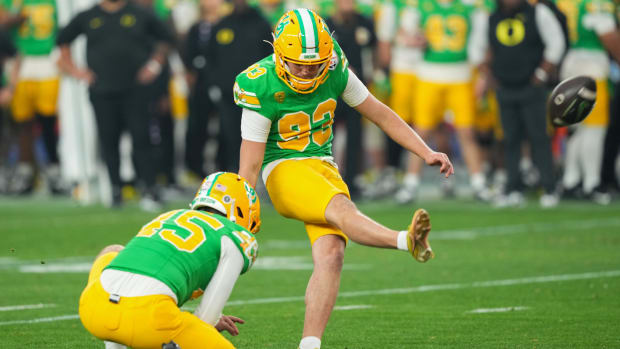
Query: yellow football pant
column 34, row 97
column 600, row 113
column 142, row 322
column 433, row 99
column 301, row 189
column 403, row 93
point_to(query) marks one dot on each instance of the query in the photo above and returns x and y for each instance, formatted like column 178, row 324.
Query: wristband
column 541, row 74
column 154, row 66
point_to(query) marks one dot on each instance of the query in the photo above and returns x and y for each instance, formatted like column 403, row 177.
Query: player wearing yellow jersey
column 288, row 102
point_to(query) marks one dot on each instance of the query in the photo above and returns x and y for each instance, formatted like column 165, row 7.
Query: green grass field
column 557, row 272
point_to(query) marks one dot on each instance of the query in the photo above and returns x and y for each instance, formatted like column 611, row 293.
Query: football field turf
column 507, row 278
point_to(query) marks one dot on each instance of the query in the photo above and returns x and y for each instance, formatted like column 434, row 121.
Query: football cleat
column 417, row 236
column 232, row 196
column 302, row 37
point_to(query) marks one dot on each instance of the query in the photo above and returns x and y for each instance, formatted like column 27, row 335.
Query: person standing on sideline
column 237, row 42
column 34, row 26
column 525, row 44
column 200, row 104
column 125, row 51
column 592, row 36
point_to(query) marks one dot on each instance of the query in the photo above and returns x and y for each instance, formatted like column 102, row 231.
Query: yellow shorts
column 403, row 92
column 487, row 116
column 301, row 189
column 599, row 116
column 34, row 97
column 142, row 322
column 433, row 99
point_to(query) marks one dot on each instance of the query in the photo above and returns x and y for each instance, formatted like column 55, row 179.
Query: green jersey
column 181, row 248
column 163, row 8
column 37, row 34
column 301, row 124
column 446, row 25
column 580, row 22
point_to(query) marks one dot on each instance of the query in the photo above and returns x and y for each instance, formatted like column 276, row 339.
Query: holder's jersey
column 36, row 36
column 580, row 22
column 181, row 248
column 446, row 26
column 301, row 124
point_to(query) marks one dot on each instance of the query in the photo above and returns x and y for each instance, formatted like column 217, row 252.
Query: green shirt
column 446, row 25
column 181, row 248
column 37, row 34
column 301, row 124
column 582, row 34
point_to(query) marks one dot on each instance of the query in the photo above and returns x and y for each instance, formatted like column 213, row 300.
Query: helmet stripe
column 303, row 32
column 213, row 183
column 308, row 30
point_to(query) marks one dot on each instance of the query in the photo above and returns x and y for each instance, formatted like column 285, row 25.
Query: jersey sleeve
column 249, row 91
column 339, row 69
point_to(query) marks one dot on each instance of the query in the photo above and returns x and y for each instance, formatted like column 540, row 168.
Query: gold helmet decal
column 232, row 196
column 302, row 37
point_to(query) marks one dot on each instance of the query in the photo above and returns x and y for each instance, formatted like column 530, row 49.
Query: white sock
column 310, row 342
column 478, row 181
column 112, row 345
column 572, row 168
column 401, row 242
column 411, row 180
column 592, row 156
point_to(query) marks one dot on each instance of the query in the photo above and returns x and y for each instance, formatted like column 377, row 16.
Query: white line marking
column 496, row 310
column 263, row 263
column 442, row 287
column 353, row 307
column 508, row 282
column 39, row 320
column 26, row 307
column 56, row 268
column 472, row 233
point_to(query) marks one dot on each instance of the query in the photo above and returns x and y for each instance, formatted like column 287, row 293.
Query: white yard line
column 26, row 307
column 389, row 291
column 443, row 287
column 496, row 310
column 353, row 307
column 39, row 320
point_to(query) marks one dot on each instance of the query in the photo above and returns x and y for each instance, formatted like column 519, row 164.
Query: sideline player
column 448, row 29
column 593, row 33
column 134, row 294
column 288, row 102
column 34, row 26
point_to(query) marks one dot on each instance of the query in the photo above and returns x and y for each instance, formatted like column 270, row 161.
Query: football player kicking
column 134, row 293
column 288, row 102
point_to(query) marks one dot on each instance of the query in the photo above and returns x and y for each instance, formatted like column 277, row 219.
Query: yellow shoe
column 417, row 236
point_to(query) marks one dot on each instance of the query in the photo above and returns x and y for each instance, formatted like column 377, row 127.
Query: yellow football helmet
column 232, row 196
column 302, row 37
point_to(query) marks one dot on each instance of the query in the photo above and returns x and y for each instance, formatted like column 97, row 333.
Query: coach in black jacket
column 238, row 42
column 525, row 44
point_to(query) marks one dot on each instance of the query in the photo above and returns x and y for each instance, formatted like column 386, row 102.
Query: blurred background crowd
column 119, row 100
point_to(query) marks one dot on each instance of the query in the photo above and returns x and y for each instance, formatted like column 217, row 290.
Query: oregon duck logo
column 510, row 32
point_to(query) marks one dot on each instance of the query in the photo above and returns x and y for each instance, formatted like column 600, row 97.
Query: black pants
column 523, row 116
column 612, row 143
column 114, row 112
column 230, row 135
column 354, row 149
column 200, row 106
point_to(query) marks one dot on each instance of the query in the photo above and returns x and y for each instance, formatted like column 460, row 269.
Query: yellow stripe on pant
column 142, row 322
